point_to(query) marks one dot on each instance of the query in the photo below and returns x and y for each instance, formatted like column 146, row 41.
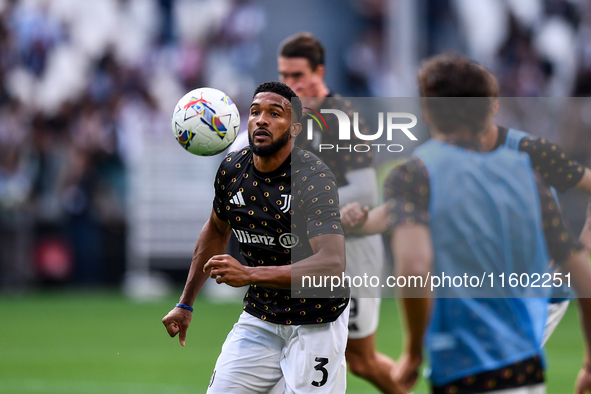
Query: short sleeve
column 321, row 204
column 553, row 164
column 219, row 185
column 406, row 193
column 562, row 242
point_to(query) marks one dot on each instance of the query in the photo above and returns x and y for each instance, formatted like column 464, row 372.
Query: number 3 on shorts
column 322, row 361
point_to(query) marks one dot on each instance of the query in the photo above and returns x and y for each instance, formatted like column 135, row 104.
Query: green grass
column 87, row 343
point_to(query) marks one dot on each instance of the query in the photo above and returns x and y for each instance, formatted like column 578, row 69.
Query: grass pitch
column 104, row 343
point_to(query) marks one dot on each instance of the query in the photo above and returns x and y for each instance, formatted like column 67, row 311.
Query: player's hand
column 353, row 216
column 226, row 269
column 406, row 372
column 583, row 384
column 176, row 322
column 395, row 386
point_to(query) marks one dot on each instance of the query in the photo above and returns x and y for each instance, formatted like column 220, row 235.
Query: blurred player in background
column 278, row 222
column 558, row 171
column 301, row 67
column 485, row 344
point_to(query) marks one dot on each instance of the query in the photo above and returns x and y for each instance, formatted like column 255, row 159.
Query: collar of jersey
column 502, row 137
column 279, row 170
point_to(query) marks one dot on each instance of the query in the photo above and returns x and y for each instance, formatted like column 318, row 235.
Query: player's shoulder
column 304, row 161
column 309, row 172
column 337, row 101
column 236, row 160
column 405, row 173
column 408, row 165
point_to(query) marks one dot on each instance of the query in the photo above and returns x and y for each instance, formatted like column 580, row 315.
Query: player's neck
column 490, row 137
column 323, row 91
column 463, row 138
column 271, row 163
column 319, row 95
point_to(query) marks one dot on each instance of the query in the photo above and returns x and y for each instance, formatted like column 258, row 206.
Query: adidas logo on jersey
column 248, row 238
column 238, row 200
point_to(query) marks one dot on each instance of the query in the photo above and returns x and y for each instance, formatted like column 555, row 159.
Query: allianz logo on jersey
column 344, row 132
column 288, row 240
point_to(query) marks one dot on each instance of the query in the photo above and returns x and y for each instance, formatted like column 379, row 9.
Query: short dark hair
column 285, row 91
column 304, row 45
column 450, row 75
column 457, row 77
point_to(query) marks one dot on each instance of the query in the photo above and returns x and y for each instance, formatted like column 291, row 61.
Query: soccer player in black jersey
column 282, row 205
column 301, row 66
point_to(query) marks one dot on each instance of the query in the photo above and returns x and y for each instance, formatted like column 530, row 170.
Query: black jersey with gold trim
column 339, row 161
column 274, row 215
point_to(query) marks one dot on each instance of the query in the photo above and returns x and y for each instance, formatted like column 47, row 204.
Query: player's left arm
column 328, row 259
column 559, row 171
column 319, row 199
column 585, row 185
column 585, row 182
column 577, row 267
column 572, row 257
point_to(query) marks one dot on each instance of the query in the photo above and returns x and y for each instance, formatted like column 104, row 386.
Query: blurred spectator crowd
column 80, row 81
column 536, row 48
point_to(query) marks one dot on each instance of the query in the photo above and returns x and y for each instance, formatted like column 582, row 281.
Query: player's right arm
column 413, row 256
column 212, row 241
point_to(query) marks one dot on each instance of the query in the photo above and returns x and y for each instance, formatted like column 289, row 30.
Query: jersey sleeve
column 555, row 167
column 321, row 202
column 406, row 193
column 562, row 243
column 219, row 184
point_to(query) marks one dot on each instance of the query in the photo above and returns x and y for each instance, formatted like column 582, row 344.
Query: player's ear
column 320, row 71
column 495, row 107
column 295, row 129
column 426, row 117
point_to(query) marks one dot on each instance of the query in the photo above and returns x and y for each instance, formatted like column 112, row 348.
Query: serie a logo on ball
column 205, row 121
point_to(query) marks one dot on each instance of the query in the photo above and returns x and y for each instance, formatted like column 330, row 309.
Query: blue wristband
column 187, row 307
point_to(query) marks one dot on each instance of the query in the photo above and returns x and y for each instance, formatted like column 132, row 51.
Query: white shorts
column 363, row 317
column 536, row 389
column 365, row 257
column 257, row 355
column 556, row 312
